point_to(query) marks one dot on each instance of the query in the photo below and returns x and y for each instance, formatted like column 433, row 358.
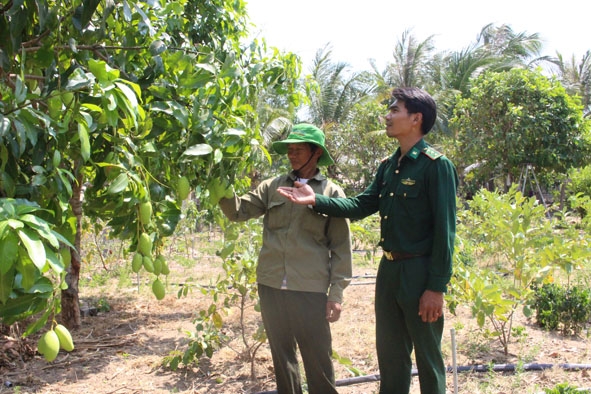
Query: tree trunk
column 70, row 298
column 563, row 193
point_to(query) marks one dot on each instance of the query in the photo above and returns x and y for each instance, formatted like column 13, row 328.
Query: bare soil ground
column 121, row 351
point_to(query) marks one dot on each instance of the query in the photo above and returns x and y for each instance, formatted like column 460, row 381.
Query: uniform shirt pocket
column 409, row 201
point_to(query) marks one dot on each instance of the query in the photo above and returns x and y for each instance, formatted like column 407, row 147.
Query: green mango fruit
column 146, row 213
column 183, row 187
column 137, row 262
column 64, row 337
column 49, row 345
column 158, row 264
column 148, row 264
column 165, row 269
column 158, row 289
column 145, row 245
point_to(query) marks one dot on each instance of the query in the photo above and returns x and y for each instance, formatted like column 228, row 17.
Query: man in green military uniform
column 414, row 192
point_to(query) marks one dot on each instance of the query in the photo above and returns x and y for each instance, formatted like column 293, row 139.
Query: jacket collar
column 318, row 176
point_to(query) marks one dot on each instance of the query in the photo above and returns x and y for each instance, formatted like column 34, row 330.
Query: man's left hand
column 333, row 311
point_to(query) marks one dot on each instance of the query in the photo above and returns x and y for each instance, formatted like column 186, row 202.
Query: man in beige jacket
column 304, row 264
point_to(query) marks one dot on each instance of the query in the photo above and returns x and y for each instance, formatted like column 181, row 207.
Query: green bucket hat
column 304, row 132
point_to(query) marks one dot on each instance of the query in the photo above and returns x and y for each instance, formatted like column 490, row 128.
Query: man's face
column 299, row 155
column 398, row 121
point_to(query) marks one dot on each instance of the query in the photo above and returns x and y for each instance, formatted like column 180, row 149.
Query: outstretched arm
column 300, row 194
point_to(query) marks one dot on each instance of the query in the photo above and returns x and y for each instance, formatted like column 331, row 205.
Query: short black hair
column 418, row 101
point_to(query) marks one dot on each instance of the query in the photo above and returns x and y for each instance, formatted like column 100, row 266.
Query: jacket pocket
column 314, row 223
column 277, row 215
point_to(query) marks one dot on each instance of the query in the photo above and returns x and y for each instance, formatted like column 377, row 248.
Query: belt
column 394, row 256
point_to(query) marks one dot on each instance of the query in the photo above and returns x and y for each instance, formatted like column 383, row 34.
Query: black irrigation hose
column 467, row 368
column 524, row 367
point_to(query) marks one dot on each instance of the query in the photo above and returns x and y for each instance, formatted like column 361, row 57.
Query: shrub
column 565, row 388
column 556, row 306
column 580, row 186
column 580, row 181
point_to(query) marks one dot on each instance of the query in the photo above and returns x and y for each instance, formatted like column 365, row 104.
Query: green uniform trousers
column 399, row 328
column 295, row 319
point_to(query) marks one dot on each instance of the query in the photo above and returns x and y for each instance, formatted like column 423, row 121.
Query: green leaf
column 99, row 70
column 4, row 129
column 6, row 281
column 42, row 229
column 126, row 11
column 55, row 262
column 3, row 228
column 8, row 184
column 38, row 180
column 227, row 250
column 84, row 140
column 22, row 305
column 480, row 318
column 88, row 9
column 42, row 321
column 34, row 246
column 8, row 252
column 24, row 207
column 78, row 80
column 145, row 19
column 20, row 91
column 67, row 179
column 29, row 273
column 43, row 285
column 92, row 107
column 217, row 156
column 217, row 319
column 119, row 184
column 198, row 150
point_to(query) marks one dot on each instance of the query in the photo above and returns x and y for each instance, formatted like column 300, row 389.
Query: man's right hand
column 300, row 194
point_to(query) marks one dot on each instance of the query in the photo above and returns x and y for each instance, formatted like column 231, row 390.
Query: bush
column 556, row 306
column 580, row 182
column 565, row 388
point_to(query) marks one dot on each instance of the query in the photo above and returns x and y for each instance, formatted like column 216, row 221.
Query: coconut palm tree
column 410, row 64
column 496, row 48
column 576, row 77
column 333, row 92
column 511, row 49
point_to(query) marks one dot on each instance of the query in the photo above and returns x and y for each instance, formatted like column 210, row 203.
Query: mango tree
column 517, row 118
column 117, row 110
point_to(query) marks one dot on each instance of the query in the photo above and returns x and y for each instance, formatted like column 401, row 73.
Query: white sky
column 359, row 30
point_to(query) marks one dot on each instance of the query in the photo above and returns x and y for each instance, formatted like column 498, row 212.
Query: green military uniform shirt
column 416, row 201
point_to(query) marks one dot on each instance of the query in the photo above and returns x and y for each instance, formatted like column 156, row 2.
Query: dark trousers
column 296, row 319
column 399, row 329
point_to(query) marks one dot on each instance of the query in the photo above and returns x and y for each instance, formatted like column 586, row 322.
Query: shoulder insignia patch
column 432, row 153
